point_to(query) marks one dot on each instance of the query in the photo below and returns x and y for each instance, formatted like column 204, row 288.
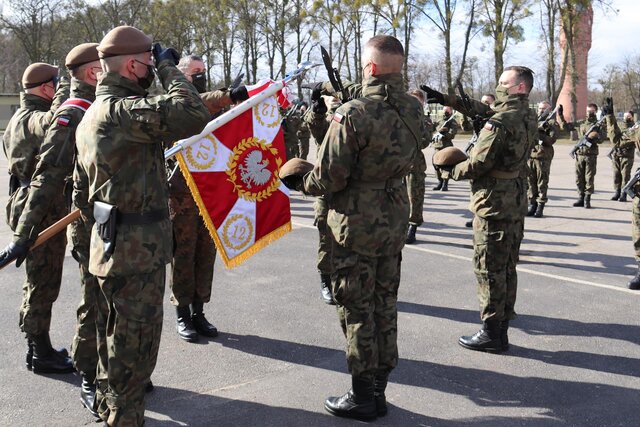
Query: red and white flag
column 233, row 176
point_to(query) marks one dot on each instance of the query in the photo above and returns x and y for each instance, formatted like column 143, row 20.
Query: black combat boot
column 88, row 394
column 200, row 323
column 539, row 210
column 580, row 202
column 445, row 185
column 486, row 339
column 532, row 208
column 184, row 326
column 587, row 201
column 325, row 286
column 439, row 186
column 29, row 355
column 358, row 403
column 623, row 197
column 504, row 328
column 380, row 385
column 46, row 360
column 616, row 195
column 411, row 234
column 635, row 282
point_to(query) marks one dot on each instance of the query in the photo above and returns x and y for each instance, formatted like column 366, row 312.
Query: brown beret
column 124, row 40
column 449, row 156
column 295, row 166
column 81, row 54
column 38, row 73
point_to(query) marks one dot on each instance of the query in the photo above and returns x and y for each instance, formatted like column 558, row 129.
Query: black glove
column 293, row 182
column 316, row 93
column 319, row 106
column 433, row 95
column 13, row 251
column 165, row 54
column 239, row 94
column 607, row 108
column 561, row 111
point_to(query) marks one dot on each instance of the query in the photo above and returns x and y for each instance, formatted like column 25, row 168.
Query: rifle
column 334, row 75
column 292, row 110
column 543, row 120
column 628, row 188
column 478, row 121
column 584, row 142
column 438, row 136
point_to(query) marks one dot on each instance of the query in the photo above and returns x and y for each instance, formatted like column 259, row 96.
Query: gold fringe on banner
column 251, row 250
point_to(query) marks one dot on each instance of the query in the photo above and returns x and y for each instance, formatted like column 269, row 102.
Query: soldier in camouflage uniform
column 317, row 120
column 303, row 135
column 290, row 127
column 634, row 283
column 194, row 252
column 497, row 163
column 587, row 158
column 415, row 179
column 623, row 152
column 120, row 151
column 445, row 131
column 368, row 211
column 23, row 138
column 539, row 164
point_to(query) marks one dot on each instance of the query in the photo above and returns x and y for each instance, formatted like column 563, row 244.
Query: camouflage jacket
column 547, row 136
column 55, row 164
column 624, row 144
column 120, row 150
column 475, row 107
column 22, row 140
column 303, row 130
column 441, row 140
column 318, row 124
column 427, row 134
column 602, row 134
column 496, row 163
column 370, row 146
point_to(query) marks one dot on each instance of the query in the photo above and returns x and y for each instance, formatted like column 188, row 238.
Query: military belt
column 495, row 173
column 142, row 218
column 377, row 185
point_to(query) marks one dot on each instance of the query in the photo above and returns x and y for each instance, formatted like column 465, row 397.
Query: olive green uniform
column 539, row 165
column 496, row 167
column 442, row 140
column 417, row 175
column 22, row 142
column 587, row 159
column 369, row 148
column 120, row 151
column 624, row 150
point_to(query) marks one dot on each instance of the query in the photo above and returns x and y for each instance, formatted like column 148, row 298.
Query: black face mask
column 199, row 81
column 146, row 81
column 592, row 116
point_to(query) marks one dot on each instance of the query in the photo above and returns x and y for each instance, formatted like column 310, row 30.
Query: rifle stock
column 584, row 142
column 628, row 188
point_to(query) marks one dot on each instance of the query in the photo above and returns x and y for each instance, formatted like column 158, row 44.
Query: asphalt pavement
column 574, row 357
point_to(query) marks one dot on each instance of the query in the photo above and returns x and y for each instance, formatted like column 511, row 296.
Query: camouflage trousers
column 366, row 291
column 44, row 277
column 635, row 227
column 84, row 347
column 325, row 244
column 538, row 179
column 585, row 173
column 129, row 328
column 194, row 254
column 496, row 245
column 303, row 148
column 415, row 188
column 621, row 171
column 292, row 148
column 438, row 171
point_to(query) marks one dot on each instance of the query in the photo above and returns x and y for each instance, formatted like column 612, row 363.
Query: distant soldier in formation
column 417, row 175
column 444, row 132
column 290, row 126
column 120, row 150
column 303, row 135
column 539, row 165
column 587, row 158
column 499, row 202
column 623, row 152
column 23, row 139
column 635, row 230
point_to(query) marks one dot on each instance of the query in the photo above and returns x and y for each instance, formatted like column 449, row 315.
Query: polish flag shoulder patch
column 337, row 117
column 63, row 121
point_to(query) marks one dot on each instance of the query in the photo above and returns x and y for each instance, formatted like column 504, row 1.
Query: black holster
column 106, row 216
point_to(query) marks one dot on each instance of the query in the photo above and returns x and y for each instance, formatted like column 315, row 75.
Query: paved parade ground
column 575, row 347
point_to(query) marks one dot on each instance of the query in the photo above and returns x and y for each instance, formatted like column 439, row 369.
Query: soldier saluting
column 120, row 151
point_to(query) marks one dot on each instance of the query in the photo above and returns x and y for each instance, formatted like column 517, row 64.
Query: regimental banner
column 233, row 176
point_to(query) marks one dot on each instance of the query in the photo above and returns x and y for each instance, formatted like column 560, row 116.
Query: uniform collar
column 385, row 85
column 34, row 102
column 114, row 84
column 510, row 102
column 81, row 89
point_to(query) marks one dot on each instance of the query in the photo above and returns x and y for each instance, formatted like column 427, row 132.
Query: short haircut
column 186, row 60
column 489, row 95
column 523, row 74
column 592, row 105
column 631, row 112
column 386, row 44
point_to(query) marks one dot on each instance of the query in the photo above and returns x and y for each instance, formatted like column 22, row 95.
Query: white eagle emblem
column 254, row 171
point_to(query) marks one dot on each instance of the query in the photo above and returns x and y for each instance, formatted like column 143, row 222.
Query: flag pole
column 239, row 109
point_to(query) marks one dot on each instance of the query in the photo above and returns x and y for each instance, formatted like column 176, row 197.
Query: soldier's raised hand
column 433, row 95
column 165, row 54
column 13, row 251
column 607, row 108
column 239, row 94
